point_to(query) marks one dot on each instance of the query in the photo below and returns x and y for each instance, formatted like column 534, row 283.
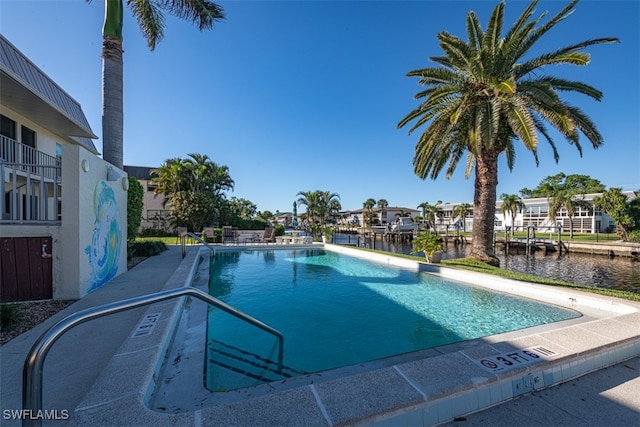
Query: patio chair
column 269, row 235
column 229, row 234
column 209, row 233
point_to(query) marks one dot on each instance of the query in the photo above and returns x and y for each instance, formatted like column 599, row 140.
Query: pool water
column 335, row 310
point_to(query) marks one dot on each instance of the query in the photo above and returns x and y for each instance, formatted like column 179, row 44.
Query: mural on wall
column 104, row 250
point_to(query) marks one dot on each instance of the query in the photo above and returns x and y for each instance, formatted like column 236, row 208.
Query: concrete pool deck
column 104, row 374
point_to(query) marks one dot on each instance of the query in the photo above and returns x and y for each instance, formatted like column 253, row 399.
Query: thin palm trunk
column 484, row 205
column 112, row 109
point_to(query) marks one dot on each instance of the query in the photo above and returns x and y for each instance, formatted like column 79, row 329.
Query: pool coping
column 429, row 390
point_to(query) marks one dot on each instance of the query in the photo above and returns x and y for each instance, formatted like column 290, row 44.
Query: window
column 58, row 152
column 7, row 127
column 28, row 146
column 28, row 137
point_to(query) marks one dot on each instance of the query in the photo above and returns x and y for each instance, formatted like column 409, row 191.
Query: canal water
column 622, row 273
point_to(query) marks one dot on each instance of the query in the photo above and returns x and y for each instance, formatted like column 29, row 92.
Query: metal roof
column 27, row 90
column 139, row 172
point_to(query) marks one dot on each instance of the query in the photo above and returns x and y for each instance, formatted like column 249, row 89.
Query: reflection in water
column 622, row 273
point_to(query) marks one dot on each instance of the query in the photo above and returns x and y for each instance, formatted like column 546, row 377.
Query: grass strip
column 475, row 265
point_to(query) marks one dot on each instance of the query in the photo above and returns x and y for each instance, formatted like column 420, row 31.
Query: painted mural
column 104, row 250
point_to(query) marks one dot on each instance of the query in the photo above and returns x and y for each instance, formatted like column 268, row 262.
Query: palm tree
column 382, row 204
column 194, row 189
column 462, row 211
column 328, row 203
column 486, row 93
column 319, row 205
column 150, row 18
column 511, row 203
column 564, row 198
column 428, row 214
column 366, row 216
column 425, row 207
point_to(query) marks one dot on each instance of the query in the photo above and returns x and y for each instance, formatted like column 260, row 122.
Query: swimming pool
column 335, row 310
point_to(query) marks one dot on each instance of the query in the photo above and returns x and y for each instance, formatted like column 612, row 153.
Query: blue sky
column 306, row 95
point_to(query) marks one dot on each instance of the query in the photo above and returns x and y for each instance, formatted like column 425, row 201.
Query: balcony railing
column 28, row 159
column 32, row 184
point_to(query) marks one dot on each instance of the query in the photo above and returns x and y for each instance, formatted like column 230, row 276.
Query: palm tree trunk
column 571, row 227
column 484, row 206
column 112, row 109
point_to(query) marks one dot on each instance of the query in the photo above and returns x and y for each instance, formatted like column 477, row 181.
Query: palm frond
column 492, row 35
column 150, row 20
column 521, row 123
column 586, row 126
column 201, row 12
column 474, row 31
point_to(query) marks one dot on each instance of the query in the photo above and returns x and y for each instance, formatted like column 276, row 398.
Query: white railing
column 32, row 184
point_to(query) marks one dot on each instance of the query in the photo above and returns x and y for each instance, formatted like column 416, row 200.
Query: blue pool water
column 335, row 311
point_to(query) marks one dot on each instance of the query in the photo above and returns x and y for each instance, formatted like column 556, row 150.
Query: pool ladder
column 33, row 364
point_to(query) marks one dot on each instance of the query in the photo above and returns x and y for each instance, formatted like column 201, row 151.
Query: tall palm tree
column 149, row 14
column 511, row 203
column 489, row 91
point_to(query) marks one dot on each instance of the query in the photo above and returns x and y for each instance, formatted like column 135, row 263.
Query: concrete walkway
column 76, row 360
column 610, row 396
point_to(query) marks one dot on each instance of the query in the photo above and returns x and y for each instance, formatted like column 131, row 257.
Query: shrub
column 10, row 314
column 156, row 232
column 634, row 236
column 135, row 195
column 279, row 230
column 145, row 249
column 249, row 224
column 428, row 243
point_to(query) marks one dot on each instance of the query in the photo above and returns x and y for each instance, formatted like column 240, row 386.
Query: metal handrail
column 195, row 237
column 33, row 365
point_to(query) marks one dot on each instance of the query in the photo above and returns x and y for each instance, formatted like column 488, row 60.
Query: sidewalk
column 76, row 360
column 608, row 397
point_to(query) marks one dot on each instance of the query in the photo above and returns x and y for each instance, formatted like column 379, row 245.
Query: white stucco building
column 536, row 214
column 64, row 209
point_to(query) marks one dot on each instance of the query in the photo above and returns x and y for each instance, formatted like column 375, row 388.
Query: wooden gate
column 25, row 269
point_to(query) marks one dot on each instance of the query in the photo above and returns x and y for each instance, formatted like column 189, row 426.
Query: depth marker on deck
column 147, row 325
column 515, row 359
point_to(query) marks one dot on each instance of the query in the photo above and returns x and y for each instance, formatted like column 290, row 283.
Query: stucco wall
column 94, row 223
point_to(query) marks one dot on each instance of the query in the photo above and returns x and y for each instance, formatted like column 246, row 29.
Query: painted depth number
column 515, row 359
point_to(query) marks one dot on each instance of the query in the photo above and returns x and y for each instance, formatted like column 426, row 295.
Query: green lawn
column 480, row 267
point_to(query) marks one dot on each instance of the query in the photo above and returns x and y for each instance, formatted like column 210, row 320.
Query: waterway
column 622, row 273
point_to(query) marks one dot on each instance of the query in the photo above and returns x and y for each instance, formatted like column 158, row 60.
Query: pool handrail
column 195, row 237
column 34, row 362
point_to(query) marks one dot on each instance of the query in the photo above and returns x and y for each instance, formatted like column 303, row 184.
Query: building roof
column 377, row 209
column 27, row 90
column 139, row 172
